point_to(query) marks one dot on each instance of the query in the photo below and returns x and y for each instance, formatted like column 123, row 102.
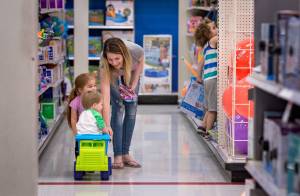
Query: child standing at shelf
column 206, row 37
column 83, row 83
column 91, row 121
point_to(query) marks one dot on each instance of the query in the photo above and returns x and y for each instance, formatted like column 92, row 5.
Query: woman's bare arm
column 137, row 73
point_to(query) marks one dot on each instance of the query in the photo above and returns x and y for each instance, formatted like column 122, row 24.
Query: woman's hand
column 108, row 130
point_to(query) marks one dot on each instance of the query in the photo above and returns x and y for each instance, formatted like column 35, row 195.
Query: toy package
column 291, row 78
column 119, row 12
column 293, row 173
column 126, row 35
column 193, row 102
column 95, row 46
column 51, row 5
column 69, row 16
column 70, row 46
column 284, row 20
column 266, row 47
column 96, row 17
column 277, row 135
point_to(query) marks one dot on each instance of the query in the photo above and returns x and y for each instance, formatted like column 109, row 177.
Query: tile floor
column 174, row 162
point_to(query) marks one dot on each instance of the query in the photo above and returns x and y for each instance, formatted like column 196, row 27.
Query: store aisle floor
column 174, row 162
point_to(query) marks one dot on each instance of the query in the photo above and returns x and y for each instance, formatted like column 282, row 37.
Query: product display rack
column 52, row 125
column 268, row 95
column 83, row 60
column 236, row 23
column 186, row 39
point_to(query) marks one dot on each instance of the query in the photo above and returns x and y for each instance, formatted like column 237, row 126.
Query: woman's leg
column 117, row 124
column 128, row 127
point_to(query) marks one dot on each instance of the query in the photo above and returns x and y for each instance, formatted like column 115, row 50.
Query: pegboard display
column 236, row 59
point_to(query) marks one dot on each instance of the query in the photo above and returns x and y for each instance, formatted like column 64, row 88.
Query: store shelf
column 255, row 168
column 106, row 27
column 49, row 11
column 59, row 61
column 90, row 58
column 274, row 88
column 199, row 8
column 52, row 128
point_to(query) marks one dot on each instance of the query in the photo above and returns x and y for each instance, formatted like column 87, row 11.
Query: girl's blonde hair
column 202, row 34
column 90, row 98
column 80, row 81
column 117, row 46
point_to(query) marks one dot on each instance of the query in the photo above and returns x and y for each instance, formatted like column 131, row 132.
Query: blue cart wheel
column 109, row 166
column 104, row 175
column 78, row 175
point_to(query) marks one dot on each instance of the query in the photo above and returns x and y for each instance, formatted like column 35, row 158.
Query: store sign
column 157, row 74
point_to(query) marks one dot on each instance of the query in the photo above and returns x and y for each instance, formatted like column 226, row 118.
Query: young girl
column 206, row 36
column 83, row 83
column 91, row 121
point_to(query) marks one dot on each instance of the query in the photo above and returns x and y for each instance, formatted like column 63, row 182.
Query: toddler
column 206, row 37
column 91, row 121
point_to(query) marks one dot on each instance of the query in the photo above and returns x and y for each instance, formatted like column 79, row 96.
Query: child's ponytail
column 72, row 96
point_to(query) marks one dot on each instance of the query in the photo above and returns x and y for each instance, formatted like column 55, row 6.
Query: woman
column 125, row 60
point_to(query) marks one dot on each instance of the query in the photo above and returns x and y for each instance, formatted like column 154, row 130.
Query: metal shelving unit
column 268, row 96
column 274, row 88
column 59, row 61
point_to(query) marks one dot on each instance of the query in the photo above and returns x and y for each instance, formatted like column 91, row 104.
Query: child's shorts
column 211, row 95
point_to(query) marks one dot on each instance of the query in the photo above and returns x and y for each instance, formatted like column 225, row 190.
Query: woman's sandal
column 119, row 165
column 132, row 163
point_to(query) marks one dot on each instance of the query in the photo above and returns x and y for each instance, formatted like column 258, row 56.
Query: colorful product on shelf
column 50, row 109
column 51, row 5
column 266, row 50
column 119, row 12
column 291, row 77
column 69, row 16
column 244, row 58
column 57, row 25
column 288, row 71
column 237, row 130
column 193, row 102
column 96, row 17
column 70, row 46
column 267, row 145
column 158, row 64
column 277, row 135
column 95, row 46
column 293, row 165
column 242, row 105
